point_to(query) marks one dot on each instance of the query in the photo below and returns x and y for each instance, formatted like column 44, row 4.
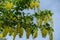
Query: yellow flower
column 28, row 30
column 45, row 20
column 34, row 33
column 44, row 32
column 34, row 4
column 8, row 5
column 1, row 35
column 14, row 35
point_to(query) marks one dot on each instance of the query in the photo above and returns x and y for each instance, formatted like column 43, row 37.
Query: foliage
column 14, row 21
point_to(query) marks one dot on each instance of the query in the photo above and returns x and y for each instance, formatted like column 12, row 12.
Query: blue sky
column 54, row 6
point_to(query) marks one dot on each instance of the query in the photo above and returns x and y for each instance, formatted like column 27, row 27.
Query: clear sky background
column 54, row 6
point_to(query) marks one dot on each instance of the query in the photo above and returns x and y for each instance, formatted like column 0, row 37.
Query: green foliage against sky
column 14, row 21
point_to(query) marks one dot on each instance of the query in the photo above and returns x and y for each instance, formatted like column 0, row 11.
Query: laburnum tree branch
column 13, row 19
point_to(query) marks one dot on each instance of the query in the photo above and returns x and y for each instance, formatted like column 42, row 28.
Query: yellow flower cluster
column 34, row 4
column 28, row 31
column 8, row 5
column 35, row 33
column 44, row 32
